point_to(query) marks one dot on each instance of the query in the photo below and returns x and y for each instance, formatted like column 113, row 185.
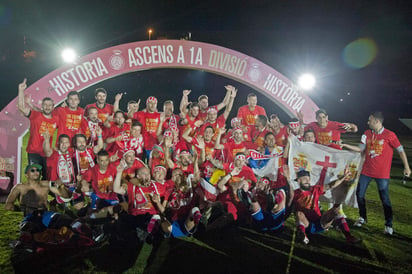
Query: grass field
column 242, row 250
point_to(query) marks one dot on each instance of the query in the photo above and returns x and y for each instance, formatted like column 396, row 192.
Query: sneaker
column 301, row 237
column 245, row 197
column 388, row 230
column 352, row 240
column 360, row 222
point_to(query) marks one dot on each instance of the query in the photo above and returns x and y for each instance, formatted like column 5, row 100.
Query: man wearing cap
column 328, row 132
column 40, row 122
column 233, row 147
column 32, row 196
column 306, row 202
column 378, row 143
column 235, row 122
column 250, row 112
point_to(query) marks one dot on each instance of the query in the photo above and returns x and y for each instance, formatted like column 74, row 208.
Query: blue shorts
column 269, row 221
column 104, row 202
column 46, row 218
column 179, row 229
column 315, row 227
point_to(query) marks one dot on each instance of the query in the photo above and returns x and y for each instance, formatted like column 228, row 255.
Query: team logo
column 116, row 61
column 254, row 72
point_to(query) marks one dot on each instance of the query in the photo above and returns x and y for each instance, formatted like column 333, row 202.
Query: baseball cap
column 28, row 167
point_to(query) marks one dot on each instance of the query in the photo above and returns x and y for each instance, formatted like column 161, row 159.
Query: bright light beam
column 307, row 81
column 69, row 55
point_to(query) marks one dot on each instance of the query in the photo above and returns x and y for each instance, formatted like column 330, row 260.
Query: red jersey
column 69, row 120
column 258, row 136
column 245, row 174
column 102, row 113
column 38, row 125
column 102, row 183
column 130, row 172
column 331, row 132
column 60, row 166
column 83, row 160
column 139, row 199
column 169, row 122
column 219, row 123
column 150, row 123
column 179, row 203
column 378, row 153
column 232, row 149
column 307, row 201
column 89, row 128
column 249, row 116
column 282, row 137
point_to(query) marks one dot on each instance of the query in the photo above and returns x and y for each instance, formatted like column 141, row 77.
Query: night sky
column 293, row 37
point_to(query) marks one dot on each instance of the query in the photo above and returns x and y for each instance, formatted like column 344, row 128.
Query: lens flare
column 360, row 53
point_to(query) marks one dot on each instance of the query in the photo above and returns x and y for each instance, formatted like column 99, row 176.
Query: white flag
column 325, row 164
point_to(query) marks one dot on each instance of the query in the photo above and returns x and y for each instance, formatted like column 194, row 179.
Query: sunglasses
column 34, row 170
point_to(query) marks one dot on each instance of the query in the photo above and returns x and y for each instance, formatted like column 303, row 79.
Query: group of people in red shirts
column 163, row 172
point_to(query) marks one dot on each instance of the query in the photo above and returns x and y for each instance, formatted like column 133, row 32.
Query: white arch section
column 111, row 62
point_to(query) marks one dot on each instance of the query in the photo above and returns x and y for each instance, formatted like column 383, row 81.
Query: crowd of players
column 160, row 172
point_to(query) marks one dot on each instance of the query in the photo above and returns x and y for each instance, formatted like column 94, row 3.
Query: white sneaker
column 360, row 222
column 388, row 230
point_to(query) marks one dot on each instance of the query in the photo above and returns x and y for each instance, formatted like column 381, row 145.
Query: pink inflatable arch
column 125, row 58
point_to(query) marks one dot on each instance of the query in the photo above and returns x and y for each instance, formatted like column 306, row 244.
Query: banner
column 325, row 164
column 265, row 165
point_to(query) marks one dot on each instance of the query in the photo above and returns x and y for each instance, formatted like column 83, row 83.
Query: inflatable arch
column 131, row 57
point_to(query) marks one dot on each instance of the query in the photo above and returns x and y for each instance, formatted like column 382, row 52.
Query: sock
column 152, row 224
column 344, row 227
column 302, row 228
column 196, row 215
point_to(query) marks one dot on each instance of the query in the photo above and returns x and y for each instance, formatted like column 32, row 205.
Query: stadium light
column 69, row 55
column 307, row 81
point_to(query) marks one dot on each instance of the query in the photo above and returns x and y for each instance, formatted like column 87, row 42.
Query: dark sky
column 291, row 36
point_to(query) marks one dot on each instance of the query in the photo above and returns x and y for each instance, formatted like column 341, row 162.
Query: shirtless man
column 32, row 196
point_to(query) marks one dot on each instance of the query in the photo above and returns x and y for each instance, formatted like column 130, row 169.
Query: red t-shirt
column 83, row 160
column 69, row 120
column 248, row 116
column 102, row 183
column 331, row 132
column 258, row 136
column 89, row 128
column 232, row 149
column 102, row 113
column 130, row 172
column 139, row 199
column 38, row 125
column 378, row 153
column 219, row 123
column 245, row 174
column 282, row 137
column 307, row 201
column 150, row 123
column 179, row 203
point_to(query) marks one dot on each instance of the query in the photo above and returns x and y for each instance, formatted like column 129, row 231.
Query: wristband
column 99, row 136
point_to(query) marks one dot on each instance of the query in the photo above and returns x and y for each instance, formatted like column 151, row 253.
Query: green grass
column 242, row 250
